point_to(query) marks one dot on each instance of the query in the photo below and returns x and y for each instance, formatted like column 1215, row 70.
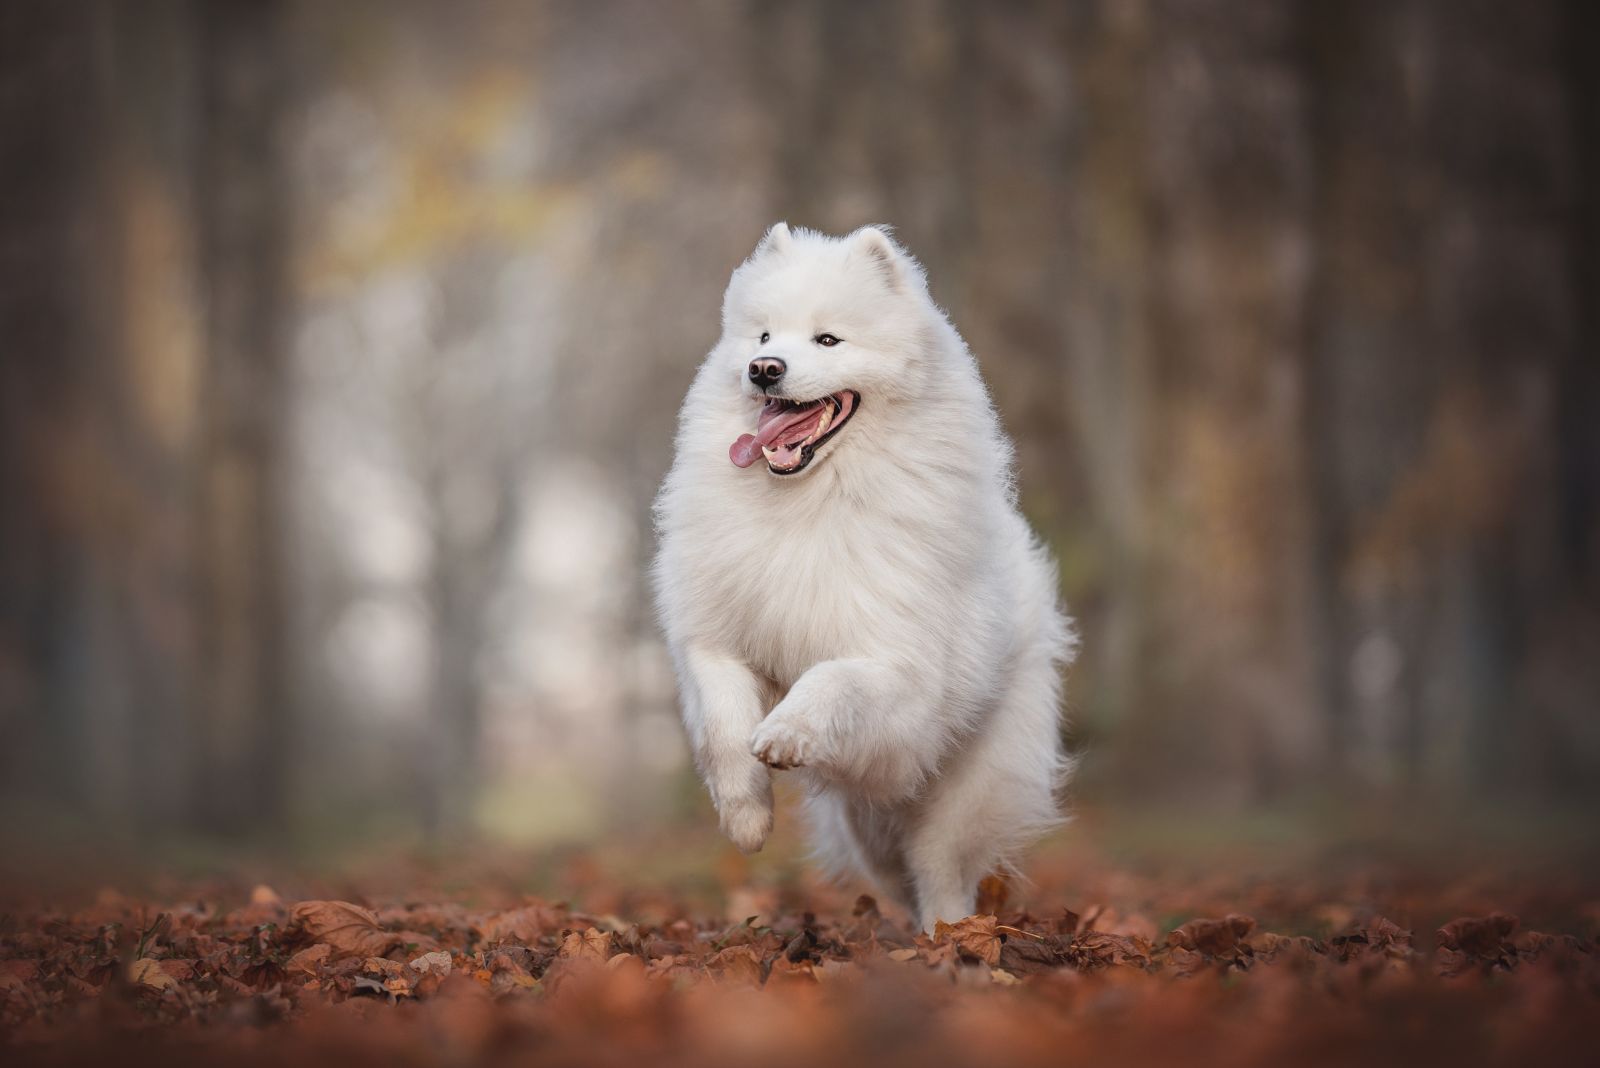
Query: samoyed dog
column 847, row 588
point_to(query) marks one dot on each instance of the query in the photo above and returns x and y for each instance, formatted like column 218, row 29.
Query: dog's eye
column 826, row 340
column 765, row 337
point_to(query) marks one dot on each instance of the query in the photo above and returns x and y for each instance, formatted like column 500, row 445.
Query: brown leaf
column 974, row 936
column 181, row 970
column 526, row 924
column 1186, row 961
column 350, row 930
column 592, row 944
column 1100, row 949
column 993, row 892
column 1027, row 956
column 435, row 963
column 1478, row 936
column 13, row 973
column 784, row 970
column 1113, row 922
column 148, row 972
column 307, row 961
column 1271, row 947
column 383, row 966
column 738, row 963
column 1451, row 963
column 1384, row 932
column 1214, row 937
column 507, row 976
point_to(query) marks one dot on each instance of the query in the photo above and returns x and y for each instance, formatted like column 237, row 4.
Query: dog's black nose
column 767, row 370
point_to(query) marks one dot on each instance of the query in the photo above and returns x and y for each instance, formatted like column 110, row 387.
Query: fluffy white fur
column 883, row 621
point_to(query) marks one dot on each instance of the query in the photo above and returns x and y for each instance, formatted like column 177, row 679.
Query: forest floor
column 1127, row 945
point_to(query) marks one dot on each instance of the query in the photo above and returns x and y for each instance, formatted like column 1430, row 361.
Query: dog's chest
column 791, row 590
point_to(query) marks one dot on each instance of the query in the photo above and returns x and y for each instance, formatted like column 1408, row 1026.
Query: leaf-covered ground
column 1094, row 961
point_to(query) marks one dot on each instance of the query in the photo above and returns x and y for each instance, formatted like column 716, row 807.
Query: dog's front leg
column 721, row 705
column 862, row 721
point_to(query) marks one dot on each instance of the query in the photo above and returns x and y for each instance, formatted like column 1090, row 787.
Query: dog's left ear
column 879, row 249
column 777, row 239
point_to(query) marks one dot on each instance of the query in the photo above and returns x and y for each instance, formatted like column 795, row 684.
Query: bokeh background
column 341, row 346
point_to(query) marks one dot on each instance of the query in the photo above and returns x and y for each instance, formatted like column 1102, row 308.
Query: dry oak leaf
column 592, row 944
column 13, row 973
column 505, row 975
column 974, row 936
column 307, row 960
column 349, row 929
column 383, row 966
column 1110, row 921
column 524, row 924
column 436, row 963
column 1214, row 937
column 994, row 890
column 1478, row 936
column 1099, row 948
column 1030, row 954
column 148, row 972
column 179, row 968
column 739, row 964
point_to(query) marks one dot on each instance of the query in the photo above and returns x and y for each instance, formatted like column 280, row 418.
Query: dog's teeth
column 822, row 424
column 768, row 453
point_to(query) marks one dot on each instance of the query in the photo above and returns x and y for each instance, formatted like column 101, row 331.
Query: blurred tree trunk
column 1085, row 480
column 1223, row 694
column 241, row 723
column 96, row 647
column 1440, row 329
column 53, row 317
column 469, row 565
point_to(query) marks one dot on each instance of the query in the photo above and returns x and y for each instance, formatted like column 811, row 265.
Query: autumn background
column 341, row 346
column 340, row 351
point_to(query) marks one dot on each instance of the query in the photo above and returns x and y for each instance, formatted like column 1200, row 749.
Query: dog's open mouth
column 788, row 433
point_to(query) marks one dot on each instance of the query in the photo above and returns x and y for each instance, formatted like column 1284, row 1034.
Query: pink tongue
column 744, row 451
column 774, row 421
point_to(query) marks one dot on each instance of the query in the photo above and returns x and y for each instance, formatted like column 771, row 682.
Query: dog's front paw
column 785, row 741
column 746, row 821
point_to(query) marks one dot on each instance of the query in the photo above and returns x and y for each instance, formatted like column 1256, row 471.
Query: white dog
column 869, row 607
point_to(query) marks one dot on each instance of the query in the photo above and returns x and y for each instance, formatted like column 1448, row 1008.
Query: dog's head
column 815, row 330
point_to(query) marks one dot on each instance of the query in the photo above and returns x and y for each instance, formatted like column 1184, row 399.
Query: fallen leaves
column 435, row 963
column 1213, row 937
column 974, row 937
column 148, row 972
column 349, row 930
column 1490, row 943
column 590, row 944
column 414, row 983
column 525, row 924
column 310, row 959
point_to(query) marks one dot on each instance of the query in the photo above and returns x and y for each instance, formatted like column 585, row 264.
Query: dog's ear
column 875, row 244
column 778, row 239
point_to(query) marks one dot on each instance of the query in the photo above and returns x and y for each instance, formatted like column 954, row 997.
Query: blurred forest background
column 341, row 346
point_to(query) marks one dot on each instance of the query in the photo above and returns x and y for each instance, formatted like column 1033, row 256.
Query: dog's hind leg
column 849, row 837
column 946, row 860
column 994, row 799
